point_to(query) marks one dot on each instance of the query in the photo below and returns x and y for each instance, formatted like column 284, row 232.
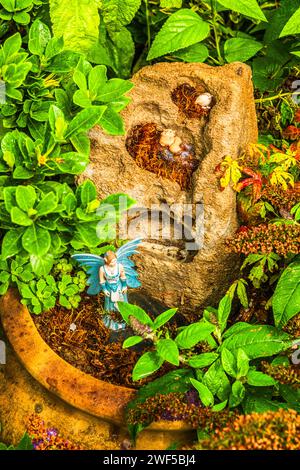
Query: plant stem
column 214, row 23
column 148, row 25
column 277, row 97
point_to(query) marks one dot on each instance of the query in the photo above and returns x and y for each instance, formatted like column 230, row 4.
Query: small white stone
column 205, row 100
column 73, row 327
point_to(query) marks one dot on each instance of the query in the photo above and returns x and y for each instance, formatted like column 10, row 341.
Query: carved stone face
column 167, row 137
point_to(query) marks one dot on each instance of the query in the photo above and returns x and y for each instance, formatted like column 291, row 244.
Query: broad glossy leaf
column 36, row 241
column 164, row 318
column 42, row 265
column 182, row 29
column 25, row 197
column 39, row 36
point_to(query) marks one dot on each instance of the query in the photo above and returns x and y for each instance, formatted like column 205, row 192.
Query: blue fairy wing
column 93, row 263
column 123, row 254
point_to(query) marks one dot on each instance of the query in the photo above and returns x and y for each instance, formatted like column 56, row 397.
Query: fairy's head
column 110, row 258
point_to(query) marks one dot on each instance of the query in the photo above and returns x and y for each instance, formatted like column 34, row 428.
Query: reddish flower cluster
column 179, row 407
column 278, row 430
column 287, row 375
column 44, row 438
column 267, row 238
column 291, row 133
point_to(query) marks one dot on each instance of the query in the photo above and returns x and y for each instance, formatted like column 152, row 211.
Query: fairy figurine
column 112, row 274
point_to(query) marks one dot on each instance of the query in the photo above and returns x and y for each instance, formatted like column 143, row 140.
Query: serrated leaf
column 117, row 13
column 247, row 7
column 182, row 29
column 164, row 318
column 258, row 341
column 147, row 364
column 241, row 49
column 286, row 298
column 292, row 26
column 259, row 379
column 205, row 394
column 168, row 350
column 193, row 334
column 202, row 360
column 77, row 21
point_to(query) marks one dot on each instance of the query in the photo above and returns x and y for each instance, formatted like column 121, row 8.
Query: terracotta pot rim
column 78, row 389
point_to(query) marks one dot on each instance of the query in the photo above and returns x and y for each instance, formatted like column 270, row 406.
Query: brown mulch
column 92, row 348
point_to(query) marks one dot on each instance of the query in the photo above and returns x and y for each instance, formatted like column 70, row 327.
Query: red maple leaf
column 255, row 180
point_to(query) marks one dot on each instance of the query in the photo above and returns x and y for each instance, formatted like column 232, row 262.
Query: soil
column 91, row 347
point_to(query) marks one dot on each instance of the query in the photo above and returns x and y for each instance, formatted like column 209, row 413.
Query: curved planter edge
column 82, row 391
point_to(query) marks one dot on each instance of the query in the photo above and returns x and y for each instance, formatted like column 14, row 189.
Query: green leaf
column 88, row 192
column 11, row 242
column 42, row 265
column 85, row 120
column 132, row 341
column 242, row 363
column 167, row 349
column 112, row 122
column 147, row 364
column 195, row 53
column 193, row 334
column 127, row 310
column 47, row 205
column 205, row 394
column 240, row 49
column 12, row 45
column 286, row 298
column 36, row 241
column 217, row 381
column 258, row 341
column 164, row 318
column 117, row 13
column 220, row 406
column 182, row 29
column 169, row 4
column 292, row 26
column 259, row 379
column 228, row 362
column 113, row 90
column 246, row 7
column 279, row 19
column 25, row 443
column 19, row 217
column 224, row 311
column 202, row 360
column 238, row 393
column 77, row 21
column 39, row 36
column 25, row 197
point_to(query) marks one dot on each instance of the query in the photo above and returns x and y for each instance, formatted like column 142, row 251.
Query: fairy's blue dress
column 114, row 285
